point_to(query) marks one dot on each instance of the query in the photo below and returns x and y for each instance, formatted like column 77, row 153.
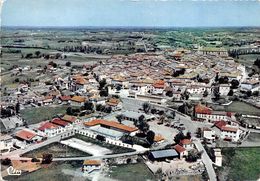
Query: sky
column 150, row 13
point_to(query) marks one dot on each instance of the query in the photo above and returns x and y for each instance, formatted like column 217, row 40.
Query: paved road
column 206, row 160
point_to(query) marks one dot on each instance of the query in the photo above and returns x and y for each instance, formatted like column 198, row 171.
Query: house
column 70, row 119
column 47, row 100
column 208, row 134
column 187, row 144
column 78, row 100
column 218, row 157
column 27, row 136
column 91, row 165
column 229, row 133
column 181, row 151
column 207, row 114
column 115, row 104
column 158, row 139
column 6, row 142
column 110, row 129
column 64, row 99
column 162, row 155
column 49, row 129
column 224, row 89
column 158, row 87
column 63, row 124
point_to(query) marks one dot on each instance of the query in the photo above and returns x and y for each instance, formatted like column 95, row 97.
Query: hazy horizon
column 131, row 13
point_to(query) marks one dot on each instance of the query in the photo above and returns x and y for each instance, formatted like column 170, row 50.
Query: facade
column 181, row 151
column 187, row 144
column 6, row 142
column 49, row 129
column 78, row 100
column 218, row 157
column 224, row 89
column 91, row 165
column 208, row 134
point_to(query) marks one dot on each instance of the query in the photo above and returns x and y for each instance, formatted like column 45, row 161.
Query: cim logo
column 12, row 171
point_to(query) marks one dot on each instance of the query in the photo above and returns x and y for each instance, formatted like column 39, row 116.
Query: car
column 181, row 124
column 167, row 124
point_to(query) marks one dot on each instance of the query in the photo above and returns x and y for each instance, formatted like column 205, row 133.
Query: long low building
column 134, row 116
column 162, row 155
column 110, row 129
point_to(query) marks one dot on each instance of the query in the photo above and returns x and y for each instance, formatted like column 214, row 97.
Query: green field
column 36, row 115
column 57, row 150
column 242, row 163
column 243, row 108
column 131, row 172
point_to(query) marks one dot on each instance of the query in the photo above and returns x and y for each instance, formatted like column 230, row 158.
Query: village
column 157, row 106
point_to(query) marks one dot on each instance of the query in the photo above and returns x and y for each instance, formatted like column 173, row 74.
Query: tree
column 103, row 92
column 118, row 88
column 68, row 64
column 46, row 158
column 17, row 107
column 153, row 111
column 178, row 137
column 88, row 106
column 119, row 118
column 37, row 53
column 169, row 93
column 146, row 107
column 199, row 133
column 231, row 92
column 69, row 111
column 257, row 63
column 216, row 78
column 205, row 93
column 234, row 84
column 6, row 161
column 150, row 137
column 102, row 84
column 188, row 135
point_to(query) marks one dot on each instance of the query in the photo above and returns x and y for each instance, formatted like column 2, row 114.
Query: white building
column 208, row 134
column 6, row 142
column 230, row 133
column 91, row 165
column 224, row 89
column 218, row 157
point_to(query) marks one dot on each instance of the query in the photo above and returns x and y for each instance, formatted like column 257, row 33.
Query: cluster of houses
column 226, row 123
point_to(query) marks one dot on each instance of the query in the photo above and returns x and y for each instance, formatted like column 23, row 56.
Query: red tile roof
column 185, row 142
column 92, row 162
column 78, row 99
column 47, row 125
column 200, row 109
column 59, row 122
column 110, row 124
column 159, row 84
column 69, row 118
column 65, row 98
column 179, row 148
column 25, row 135
column 220, row 124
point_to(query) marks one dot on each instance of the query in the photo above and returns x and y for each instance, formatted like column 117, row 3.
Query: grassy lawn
column 115, row 149
column 36, row 115
column 243, row 108
column 242, row 163
column 57, row 150
column 56, row 171
column 131, row 172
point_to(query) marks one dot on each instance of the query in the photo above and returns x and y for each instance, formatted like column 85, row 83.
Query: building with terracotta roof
column 207, row 114
column 115, row 104
column 49, row 129
column 180, row 150
column 187, row 144
column 70, row 119
column 110, row 129
column 230, row 133
column 158, row 87
column 91, row 165
column 78, row 100
column 27, row 135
